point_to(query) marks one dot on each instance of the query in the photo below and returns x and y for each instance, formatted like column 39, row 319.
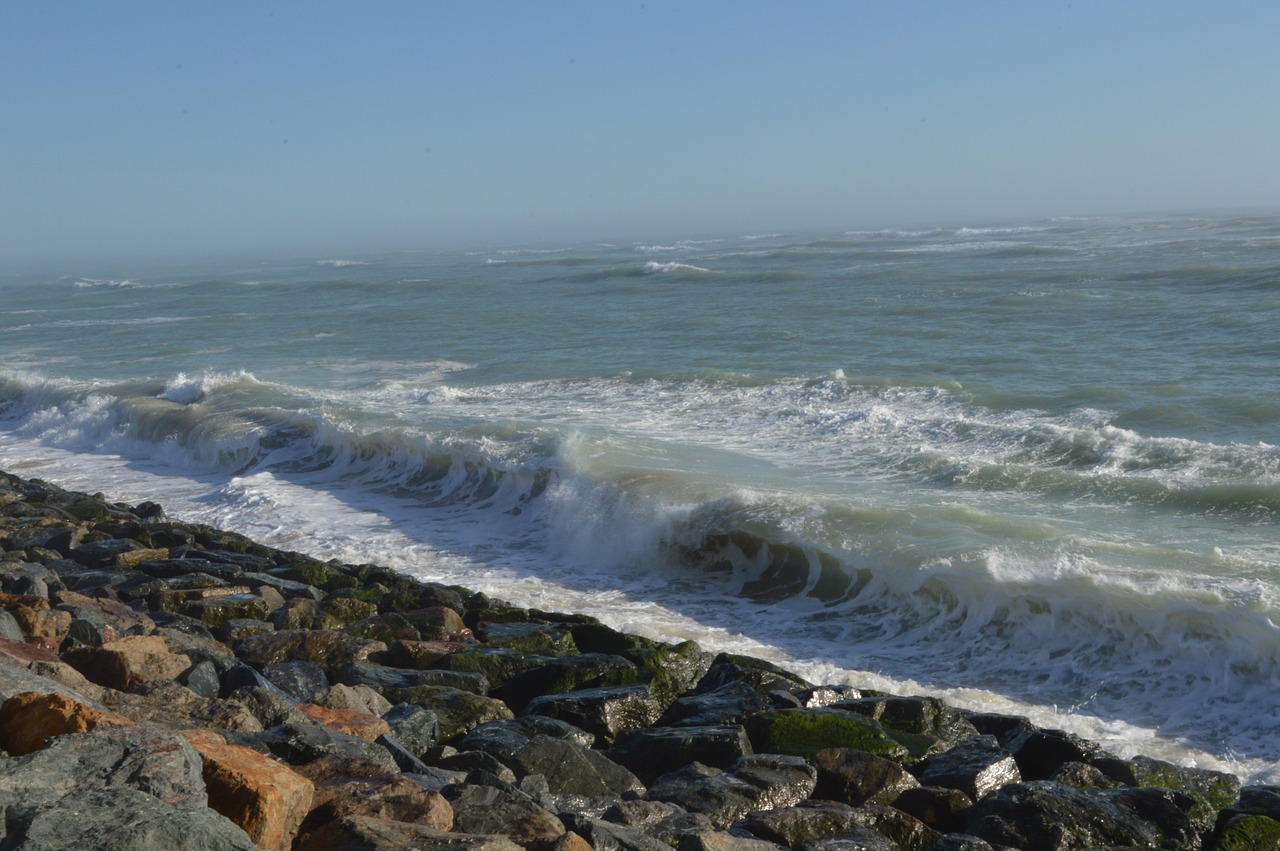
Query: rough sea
column 1030, row 467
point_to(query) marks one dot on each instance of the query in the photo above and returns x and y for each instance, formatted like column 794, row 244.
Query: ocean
column 1029, row 467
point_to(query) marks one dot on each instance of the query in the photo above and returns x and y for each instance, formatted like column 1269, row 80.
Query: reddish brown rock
column 128, row 662
column 349, row 721
column 29, row 718
column 266, row 799
column 25, row 651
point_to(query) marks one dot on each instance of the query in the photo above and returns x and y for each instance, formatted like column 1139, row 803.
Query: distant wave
column 342, row 264
column 654, row 267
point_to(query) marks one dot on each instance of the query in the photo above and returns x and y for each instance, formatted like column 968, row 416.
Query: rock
column 302, row 681
column 417, row 729
column 128, row 662
column 360, row 698
column 728, row 704
column 350, row 721
column 424, row 654
column 382, row 677
column 387, row 628
column 486, row 809
column 939, row 807
column 1213, row 790
column 330, row 649
column 763, row 781
column 529, row 638
column 977, row 767
column 572, row 769
column 804, row 732
column 1039, row 753
column 570, row 673
column 498, row 665
column 266, row 799
column 29, row 718
column 478, row 761
column 1045, row 815
column 723, row 840
column 352, row 833
column 652, row 752
column 854, row 839
column 606, row 712
column 300, row 744
column 389, row 798
column 763, row 676
column 607, row 836
column 856, row 777
column 459, row 712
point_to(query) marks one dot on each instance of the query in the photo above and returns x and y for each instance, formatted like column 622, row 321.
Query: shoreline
column 257, row 654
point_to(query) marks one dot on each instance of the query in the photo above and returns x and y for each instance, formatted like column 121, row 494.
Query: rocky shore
column 171, row 685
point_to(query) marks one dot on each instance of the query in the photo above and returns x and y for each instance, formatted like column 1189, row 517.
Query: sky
column 139, row 129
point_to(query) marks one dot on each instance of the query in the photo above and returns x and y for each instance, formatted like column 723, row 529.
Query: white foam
column 654, row 267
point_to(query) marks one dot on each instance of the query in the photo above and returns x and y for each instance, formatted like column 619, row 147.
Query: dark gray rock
column 655, row 751
column 762, row 676
column 605, row 712
column 856, row 777
column 299, row 744
column 731, row 703
column 1040, row 753
column 9, row 627
column 1045, row 815
column 301, row 681
column 941, row 808
column 486, row 809
column 382, row 677
column 832, row 822
column 202, row 678
column 416, row 728
column 503, row 739
column 763, row 781
column 572, row 769
column 569, row 673
column 977, row 766
column 608, row 836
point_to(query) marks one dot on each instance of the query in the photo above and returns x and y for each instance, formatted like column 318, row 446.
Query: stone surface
column 353, row 722
column 265, row 798
column 365, row 834
column 977, row 767
column 763, row 781
column 804, row 732
column 655, row 751
column 29, row 718
column 389, row 798
column 128, row 662
column 856, row 777
column 486, row 809
column 606, row 712
column 571, row 769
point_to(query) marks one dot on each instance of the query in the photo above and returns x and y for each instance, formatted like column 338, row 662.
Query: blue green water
column 1031, row 465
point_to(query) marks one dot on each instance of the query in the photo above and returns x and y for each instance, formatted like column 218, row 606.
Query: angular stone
column 1213, row 790
column 422, row 654
column 606, row 712
column 572, row 769
column 607, row 836
column 128, row 662
column 417, row 729
column 655, row 751
column 349, row 721
column 941, row 808
column 301, row 744
column 389, row 798
column 529, row 638
column 804, row 732
column 1044, row 815
column 763, row 781
column 486, row 809
column 728, row 704
column 763, row 676
column 29, row 718
column 977, row 767
column 503, row 739
column 1039, row 753
column 383, row 677
column 330, row 649
column 570, row 673
column 360, row 698
column 459, row 712
column 388, row 628
column 265, row 798
column 302, row 681
column 856, row 777
column 352, row 833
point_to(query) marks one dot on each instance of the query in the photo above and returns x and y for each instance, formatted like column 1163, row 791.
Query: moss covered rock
column 804, row 732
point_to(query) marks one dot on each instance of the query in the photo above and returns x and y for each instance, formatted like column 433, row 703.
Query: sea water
column 1030, row 467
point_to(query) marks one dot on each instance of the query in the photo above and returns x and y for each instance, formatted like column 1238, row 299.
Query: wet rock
column 670, row 670
column 804, row 732
column 459, row 712
column 301, row 744
column 302, row 681
column 426, row 654
column 763, row 676
column 652, row 752
column 238, row 629
column 571, row 769
column 977, row 767
column 570, row 673
column 387, row 628
column 1213, row 790
column 1081, row 776
column 937, row 806
column 856, row 777
column 383, row 677
column 486, row 809
column 605, row 712
column 417, row 729
column 840, row 826
column 529, row 638
column 351, row 833
column 498, row 665
column 607, row 836
column 1039, row 753
column 332, row 650
column 1049, row 816
column 350, row 721
column 729, row 704
column 763, row 781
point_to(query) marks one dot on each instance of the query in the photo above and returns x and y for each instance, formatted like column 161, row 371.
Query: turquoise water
column 1029, row 466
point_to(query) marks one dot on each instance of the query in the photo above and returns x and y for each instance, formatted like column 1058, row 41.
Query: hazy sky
column 166, row 128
